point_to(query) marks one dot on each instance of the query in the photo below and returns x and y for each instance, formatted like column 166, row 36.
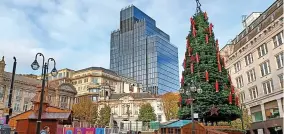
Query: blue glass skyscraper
column 141, row 51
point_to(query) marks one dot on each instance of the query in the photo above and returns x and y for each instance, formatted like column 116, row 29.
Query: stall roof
column 177, row 124
column 51, row 116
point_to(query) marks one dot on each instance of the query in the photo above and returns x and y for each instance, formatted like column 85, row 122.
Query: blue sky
column 77, row 32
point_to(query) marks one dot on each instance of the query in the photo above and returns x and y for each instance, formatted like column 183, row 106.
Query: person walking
column 45, row 130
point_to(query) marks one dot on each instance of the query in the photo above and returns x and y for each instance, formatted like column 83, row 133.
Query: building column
column 249, row 112
column 263, row 112
column 280, row 107
column 119, row 109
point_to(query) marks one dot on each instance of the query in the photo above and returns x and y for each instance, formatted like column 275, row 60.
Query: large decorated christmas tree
column 205, row 68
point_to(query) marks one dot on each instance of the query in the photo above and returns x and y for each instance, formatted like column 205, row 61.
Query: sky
column 76, row 33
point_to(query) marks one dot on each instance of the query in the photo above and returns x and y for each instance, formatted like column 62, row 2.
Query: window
column 265, row 68
column 159, row 118
column 94, row 98
column 281, row 80
column 237, row 66
column 257, row 116
column 1, row 94
column 25, row 108
column 60, row 75
column 279, row 60
column 177, row 131
column 242, row 96
column 170, row 130
column 278, row 39
column 80, row 82
column 267, row 87
column 95, row 80
column 262, row 50
column 239, row 81
column 272, row 113
column 85, row 80
column 253, row 92
column 16, row 107
column 249, row 59
column 251, row 75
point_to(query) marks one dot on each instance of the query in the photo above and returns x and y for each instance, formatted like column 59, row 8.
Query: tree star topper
column 214, row 110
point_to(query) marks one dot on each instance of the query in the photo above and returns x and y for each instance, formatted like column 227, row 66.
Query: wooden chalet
column 54, row 117
column 185, row 127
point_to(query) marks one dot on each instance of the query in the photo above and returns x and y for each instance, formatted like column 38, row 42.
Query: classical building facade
column 59, row 95
column 93, row 81
column 254, row 61
column 105, row 87
column 125, row 106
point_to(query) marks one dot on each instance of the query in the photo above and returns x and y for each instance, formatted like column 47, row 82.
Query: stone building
column 59, row 95
column 92, row 81
column 105, row 87
column 254, row 61
column 125, row 106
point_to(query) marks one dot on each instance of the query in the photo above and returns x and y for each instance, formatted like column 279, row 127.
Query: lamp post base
column 38, row 124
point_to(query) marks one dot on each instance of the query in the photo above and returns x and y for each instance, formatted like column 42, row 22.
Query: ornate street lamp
column 35, row 66
column 188, row 92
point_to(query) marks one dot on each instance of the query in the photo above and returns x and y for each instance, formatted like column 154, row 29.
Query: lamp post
column 35, row 66
column 188, row 92
column 11, row 91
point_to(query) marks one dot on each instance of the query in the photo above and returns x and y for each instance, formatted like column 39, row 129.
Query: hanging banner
column 90, row 131
column 80, row 130
column 69, row 130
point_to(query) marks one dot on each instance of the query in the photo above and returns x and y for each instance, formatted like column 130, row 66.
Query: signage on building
column 195, row 115
column 2, row 120
column 6, row 111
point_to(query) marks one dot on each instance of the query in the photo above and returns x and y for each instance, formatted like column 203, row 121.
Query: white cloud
column 77, row 32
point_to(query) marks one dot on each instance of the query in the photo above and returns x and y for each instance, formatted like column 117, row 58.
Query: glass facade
column 141, row 51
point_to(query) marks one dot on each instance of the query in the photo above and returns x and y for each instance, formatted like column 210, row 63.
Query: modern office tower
column 141, row 51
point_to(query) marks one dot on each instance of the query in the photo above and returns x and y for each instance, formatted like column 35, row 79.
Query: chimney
column 2, row 69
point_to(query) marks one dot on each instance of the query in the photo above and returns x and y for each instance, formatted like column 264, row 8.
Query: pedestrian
column 45, row 130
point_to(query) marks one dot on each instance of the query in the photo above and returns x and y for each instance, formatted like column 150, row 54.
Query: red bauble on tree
column 230, row 98
column 218, row 56
column 217, row 86
column 206, row 75
column 205, row 16
column 192, row 22
column 210, row 29
column 188, row 101
column 191, row 68
column 223, row 61
column 197, row 57
column 219, row 67
column 207, row 38
column 192, row 58
column 232, row 89
column 236, row 100
column 217, row 45
column 182, row 80
column 193, row 31
column 189, row 49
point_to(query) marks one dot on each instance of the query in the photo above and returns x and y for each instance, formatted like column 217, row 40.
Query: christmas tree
column 204, row 66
